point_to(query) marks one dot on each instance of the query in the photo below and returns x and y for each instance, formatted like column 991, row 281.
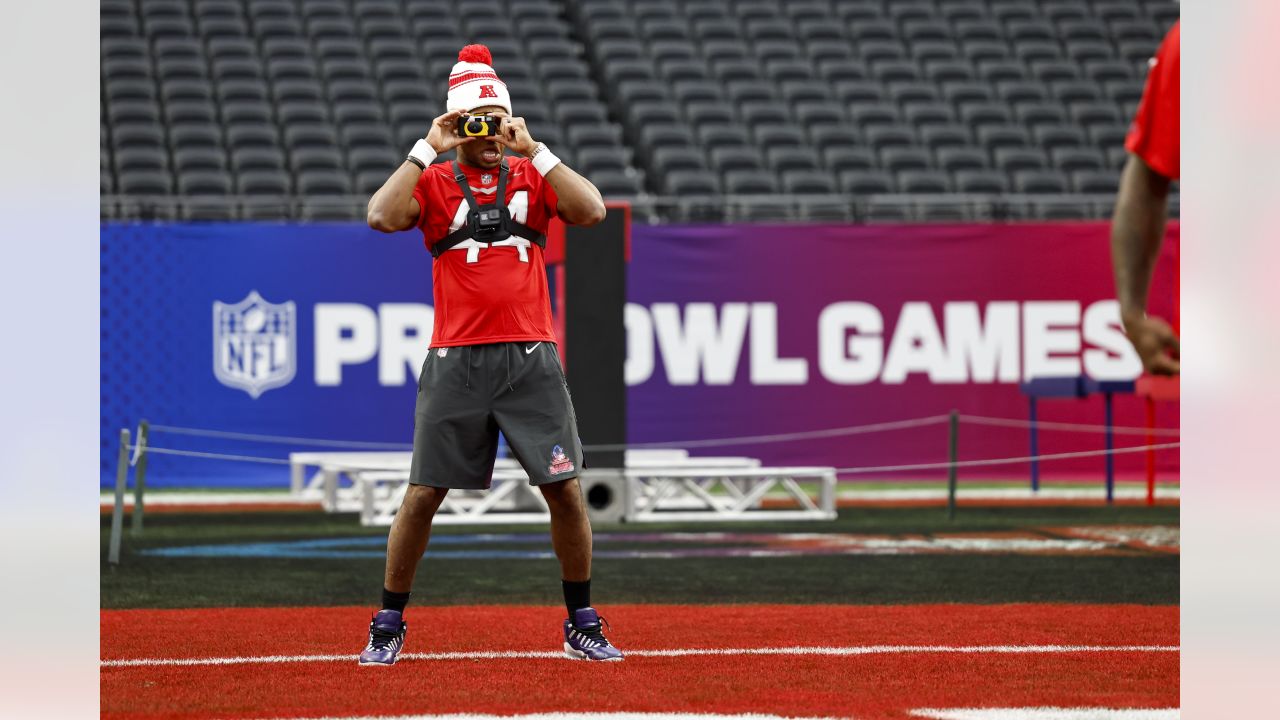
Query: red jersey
column 1154, row 134
column 487, row 292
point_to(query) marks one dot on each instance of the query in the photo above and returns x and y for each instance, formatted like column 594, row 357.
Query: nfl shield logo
column 486, row 178
column 254, row 344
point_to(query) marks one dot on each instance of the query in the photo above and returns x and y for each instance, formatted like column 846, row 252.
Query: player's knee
column 566, row 493
column 422, row 501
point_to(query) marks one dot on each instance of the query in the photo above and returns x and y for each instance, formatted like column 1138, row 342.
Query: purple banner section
column 753, row 330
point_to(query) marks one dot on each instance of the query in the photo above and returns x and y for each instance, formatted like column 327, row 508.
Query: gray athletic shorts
column 467, row 394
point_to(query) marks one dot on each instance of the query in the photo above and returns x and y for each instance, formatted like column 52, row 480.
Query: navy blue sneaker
column 583, row 639
column 386, row 638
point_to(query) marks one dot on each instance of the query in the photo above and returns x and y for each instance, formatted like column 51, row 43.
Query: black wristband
column 416, row 161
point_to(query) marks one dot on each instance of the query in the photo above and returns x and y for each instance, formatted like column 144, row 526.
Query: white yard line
column 1048, row 713
column 572, row 716
column 685, row 652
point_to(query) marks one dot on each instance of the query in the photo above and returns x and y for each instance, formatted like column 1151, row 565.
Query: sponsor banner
column 320, row 330
column 743, row 330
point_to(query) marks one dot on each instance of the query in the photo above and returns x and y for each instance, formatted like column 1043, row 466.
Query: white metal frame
column 662, row 485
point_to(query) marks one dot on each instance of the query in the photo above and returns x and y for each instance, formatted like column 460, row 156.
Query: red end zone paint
column 870, row 686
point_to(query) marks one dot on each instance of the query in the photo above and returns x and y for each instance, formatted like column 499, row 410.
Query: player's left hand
column 513, row 134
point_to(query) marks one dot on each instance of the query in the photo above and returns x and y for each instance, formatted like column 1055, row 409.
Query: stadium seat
column 956, row 159
column 945, row 135
column 981, row 182
column 784, row 159
column 836, row 158
column 615, row 184
column 807, row 182
column 193, row 159
column 865, row 182
column 902, row 159
column 595, row 159
column 204, row 182
column 686, row 183
column 251, row 159
column 924, row 182
column 1072, row 159
column 1000, row 136
column 1016, row 159
column 1097, row 182
column 1051, row 137
column 145, row 182
column 1039, row 182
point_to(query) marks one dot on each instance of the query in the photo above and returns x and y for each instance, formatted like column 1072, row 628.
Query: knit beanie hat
column 473, row 83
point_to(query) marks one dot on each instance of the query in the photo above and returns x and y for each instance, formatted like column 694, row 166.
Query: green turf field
column 149, row 581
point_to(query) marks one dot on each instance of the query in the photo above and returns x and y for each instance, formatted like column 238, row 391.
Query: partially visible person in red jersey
column 1137, row 227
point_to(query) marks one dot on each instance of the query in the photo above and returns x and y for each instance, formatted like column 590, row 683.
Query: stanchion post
column 1110, row 442
column 117, row 515
column 1035, row 447
column 1151, row 453
column 953, row 443
column 140, row 477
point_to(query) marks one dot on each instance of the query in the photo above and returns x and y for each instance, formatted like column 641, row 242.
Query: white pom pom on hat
column 473, row 83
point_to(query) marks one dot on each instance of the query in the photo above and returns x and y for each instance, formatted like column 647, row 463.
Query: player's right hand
column 442, row 137
column 1156, row 344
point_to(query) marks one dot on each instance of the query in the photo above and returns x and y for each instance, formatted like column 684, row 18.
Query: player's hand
column 1156, row 344
column 513, row 134
column 443, row 137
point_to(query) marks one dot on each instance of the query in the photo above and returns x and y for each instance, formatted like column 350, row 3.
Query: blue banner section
column 215, row 326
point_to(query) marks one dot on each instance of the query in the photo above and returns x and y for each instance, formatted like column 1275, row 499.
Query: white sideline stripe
column 1048, row 713
column 220, row 498
column 571, row 716
column 684, row 652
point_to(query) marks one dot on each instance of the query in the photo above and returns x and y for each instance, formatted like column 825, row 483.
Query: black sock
column 577, row 595
column 394, row 600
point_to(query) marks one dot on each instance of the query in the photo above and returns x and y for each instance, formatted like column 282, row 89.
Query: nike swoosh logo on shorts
column 531, row 349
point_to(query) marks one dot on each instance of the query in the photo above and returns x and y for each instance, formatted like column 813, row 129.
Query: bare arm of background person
column 393, row 207
column 1137, row 231
column 580, row 202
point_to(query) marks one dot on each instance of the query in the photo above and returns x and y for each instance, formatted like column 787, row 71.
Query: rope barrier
column 779, row 437
column 1006, row 461
column 839, row 471
column 281, row 439
column 692, row 444
column 1068, row 427
column 213, row 455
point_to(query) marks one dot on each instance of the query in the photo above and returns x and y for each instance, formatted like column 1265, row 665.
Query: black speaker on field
column 595, row 341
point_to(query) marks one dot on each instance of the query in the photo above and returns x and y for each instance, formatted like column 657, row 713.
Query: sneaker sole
column 370, row 663
column 572, row 654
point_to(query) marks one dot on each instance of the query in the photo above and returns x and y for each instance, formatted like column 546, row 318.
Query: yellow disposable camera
column 478, row 126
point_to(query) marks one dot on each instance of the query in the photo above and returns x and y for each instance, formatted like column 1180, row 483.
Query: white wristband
column 423, row 152
column 544, row 160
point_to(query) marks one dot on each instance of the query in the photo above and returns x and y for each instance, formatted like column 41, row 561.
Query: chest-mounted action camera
column 488, row 223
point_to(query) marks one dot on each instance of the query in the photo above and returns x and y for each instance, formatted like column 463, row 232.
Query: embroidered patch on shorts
column 442, row 352
column 560, row 463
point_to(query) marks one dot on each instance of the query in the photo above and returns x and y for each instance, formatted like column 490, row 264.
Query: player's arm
column 579, row 202
column 1137, row 231
column 393, row 206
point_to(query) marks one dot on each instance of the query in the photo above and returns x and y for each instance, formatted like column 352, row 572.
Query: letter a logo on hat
column 487, row 91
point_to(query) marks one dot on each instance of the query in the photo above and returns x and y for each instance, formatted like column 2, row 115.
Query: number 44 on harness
column 487, row 223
